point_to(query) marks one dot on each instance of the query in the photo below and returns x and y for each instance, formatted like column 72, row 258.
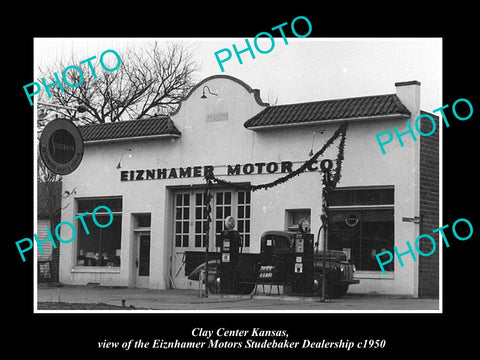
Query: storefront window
column 102, row 246
column 362, row 232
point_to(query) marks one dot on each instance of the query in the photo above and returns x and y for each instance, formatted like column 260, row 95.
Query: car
column 277, row 250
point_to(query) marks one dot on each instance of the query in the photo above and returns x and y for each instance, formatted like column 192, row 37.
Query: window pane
column 199, row 199
column 247, row 212
column 185, row 227
column 88, row 205
column 186, row 213
column 337, row 198
column 241, row 212
column 186, row 199
column 228, row 211
column 218, row 226
column 228, row 198
column 178, row 227
column 178, row 240
column 143, row 220
column 178, row 201
column 101, row 247
column 365, row 234
column 198, row 227
column 220, row 198
column 198, row 239
column 178, row 213
column 198, row 213
column 241, row 197
column 346, row 197
column 219, row 212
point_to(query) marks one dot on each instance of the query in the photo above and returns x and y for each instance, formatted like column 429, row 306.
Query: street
column 189, row 300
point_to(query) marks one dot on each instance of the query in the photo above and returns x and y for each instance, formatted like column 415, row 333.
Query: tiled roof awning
column 359, row 108
column 155, row 127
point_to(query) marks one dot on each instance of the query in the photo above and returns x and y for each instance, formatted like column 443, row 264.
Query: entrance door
column 190, row 224
column 143, row 261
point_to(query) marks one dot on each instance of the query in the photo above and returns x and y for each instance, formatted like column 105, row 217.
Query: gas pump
column 302, row 271
column 231, row 243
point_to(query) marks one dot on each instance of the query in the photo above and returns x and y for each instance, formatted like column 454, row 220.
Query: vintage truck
column 338, row 269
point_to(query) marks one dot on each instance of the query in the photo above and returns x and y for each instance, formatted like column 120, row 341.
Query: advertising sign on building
column 61, row 146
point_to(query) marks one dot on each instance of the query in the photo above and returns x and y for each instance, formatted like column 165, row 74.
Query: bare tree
column 49, row 205
column 150, row 81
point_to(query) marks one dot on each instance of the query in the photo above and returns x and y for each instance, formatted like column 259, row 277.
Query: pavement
column 136, row 299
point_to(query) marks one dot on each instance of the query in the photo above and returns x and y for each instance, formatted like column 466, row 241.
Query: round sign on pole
column 61, row 146
column 351, row 220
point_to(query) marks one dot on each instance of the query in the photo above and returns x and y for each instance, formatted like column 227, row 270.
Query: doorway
column 190, row 224
column 142, row 262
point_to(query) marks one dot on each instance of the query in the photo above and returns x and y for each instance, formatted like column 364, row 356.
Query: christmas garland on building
column 329, row 181
column 340, row 132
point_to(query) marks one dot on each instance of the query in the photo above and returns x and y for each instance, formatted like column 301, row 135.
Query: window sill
column 96, row 269
column 359, row 274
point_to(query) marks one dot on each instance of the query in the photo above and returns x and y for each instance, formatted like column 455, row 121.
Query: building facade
column 151, row 174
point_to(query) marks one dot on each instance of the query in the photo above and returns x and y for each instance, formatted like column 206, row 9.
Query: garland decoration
column 208, row 201
column 340, row 132
column 330, row 180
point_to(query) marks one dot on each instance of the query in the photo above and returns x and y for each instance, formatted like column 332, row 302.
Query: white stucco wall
column 229, row 142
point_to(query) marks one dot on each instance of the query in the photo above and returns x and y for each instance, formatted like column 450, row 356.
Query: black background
column 58, row 335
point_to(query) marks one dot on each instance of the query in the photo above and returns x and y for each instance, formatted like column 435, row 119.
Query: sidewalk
column 189, row 300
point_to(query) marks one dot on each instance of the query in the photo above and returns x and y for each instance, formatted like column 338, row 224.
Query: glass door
column 190, row 225
column 143, row 260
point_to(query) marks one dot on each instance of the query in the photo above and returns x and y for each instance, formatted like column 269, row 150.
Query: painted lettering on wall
column 37, row 87
column 200, row 171
column 226, row 54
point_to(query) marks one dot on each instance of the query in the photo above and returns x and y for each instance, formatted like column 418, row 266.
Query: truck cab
column 277, row 250
column 277, row 247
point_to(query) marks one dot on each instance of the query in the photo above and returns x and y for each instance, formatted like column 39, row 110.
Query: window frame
column 234, row 210
column 78, row 223
column 369, row 274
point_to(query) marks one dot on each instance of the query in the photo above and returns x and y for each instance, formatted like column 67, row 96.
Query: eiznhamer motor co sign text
column 201, row 171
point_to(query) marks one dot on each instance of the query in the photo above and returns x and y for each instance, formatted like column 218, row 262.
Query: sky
column 305, row 69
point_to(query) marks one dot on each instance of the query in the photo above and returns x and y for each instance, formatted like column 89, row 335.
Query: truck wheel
column 317, row 285
column 246, row 288
column 340, row 290
column 214, row 286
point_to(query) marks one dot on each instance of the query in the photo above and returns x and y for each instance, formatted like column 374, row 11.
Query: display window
column 101, row 246
column 361, row 223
